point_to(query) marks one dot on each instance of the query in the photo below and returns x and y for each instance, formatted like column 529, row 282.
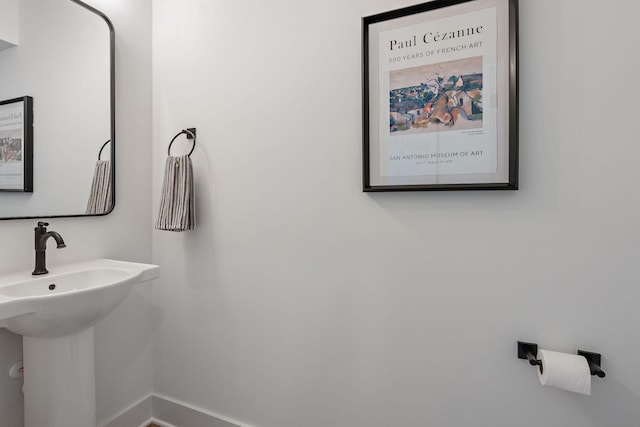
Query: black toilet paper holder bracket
column 595, row 361
column 528, row 351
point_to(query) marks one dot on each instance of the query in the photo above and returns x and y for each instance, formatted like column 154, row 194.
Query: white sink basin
column 70, row 298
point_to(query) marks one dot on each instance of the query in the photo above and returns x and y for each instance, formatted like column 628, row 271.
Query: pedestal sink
column 55, row 314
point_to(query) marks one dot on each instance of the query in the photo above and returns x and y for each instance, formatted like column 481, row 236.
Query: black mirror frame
column 112, row 125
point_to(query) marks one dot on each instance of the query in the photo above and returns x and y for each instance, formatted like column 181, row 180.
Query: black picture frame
column 16, row 145
column 439, row 79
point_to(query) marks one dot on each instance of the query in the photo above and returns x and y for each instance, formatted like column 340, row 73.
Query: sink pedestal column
column 59, row 381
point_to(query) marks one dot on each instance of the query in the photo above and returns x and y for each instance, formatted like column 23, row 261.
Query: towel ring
column 103, row 145
column 191, row 134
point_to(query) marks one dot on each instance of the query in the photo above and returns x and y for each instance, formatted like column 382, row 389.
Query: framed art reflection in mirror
column 16, row 144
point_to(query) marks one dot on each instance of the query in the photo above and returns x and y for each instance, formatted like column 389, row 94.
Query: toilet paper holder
column 528, row 351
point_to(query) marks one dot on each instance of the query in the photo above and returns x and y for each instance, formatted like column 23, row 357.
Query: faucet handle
column 43, row 224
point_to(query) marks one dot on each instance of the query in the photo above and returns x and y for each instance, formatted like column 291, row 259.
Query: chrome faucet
column 41, row 237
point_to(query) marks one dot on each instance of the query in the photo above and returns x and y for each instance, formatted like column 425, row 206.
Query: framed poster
column 440, row 97
column 16, row 144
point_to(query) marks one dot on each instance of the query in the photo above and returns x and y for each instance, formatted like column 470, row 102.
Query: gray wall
column 301, row 301
column 123, row 340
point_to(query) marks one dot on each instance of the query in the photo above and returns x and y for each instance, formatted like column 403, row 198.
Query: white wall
column 9, row 28
column 123, row 340
column 301, row 301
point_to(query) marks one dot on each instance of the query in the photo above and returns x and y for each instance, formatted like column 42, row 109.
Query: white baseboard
column 157, row 422
column 135, row 415
column 168, row 412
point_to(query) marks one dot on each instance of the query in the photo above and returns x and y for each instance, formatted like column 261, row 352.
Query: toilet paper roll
column 566, row 371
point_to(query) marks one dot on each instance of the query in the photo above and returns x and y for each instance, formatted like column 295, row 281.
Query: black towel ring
column 191, row 134
column 103, row 145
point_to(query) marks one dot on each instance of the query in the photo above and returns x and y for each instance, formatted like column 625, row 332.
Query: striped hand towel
column 177, row 202
column 100, row 196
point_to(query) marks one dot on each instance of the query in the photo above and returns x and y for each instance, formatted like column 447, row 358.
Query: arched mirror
column 57, row 110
